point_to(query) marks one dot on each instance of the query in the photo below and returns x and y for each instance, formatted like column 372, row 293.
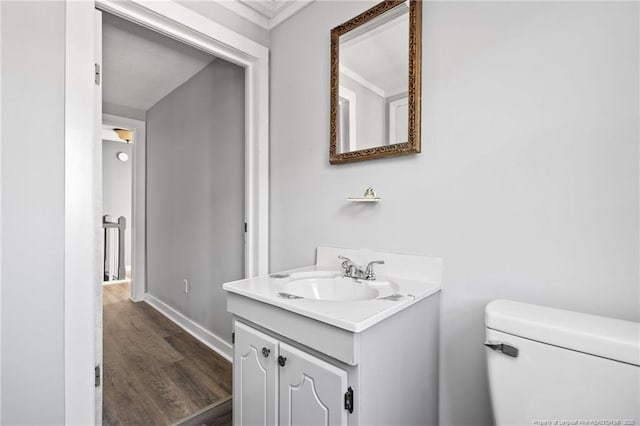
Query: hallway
column 154, row 372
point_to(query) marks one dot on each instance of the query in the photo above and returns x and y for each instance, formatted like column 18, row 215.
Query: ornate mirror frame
column 414, row 90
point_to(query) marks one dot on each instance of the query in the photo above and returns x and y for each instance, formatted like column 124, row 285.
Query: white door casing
column 98, row 212
column 350, row 96
column 80, row 225
column 311, row 390
column 398, row 121
column 255, row 377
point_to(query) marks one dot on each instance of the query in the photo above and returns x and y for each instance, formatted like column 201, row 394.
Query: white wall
column 527, row 184
column 116, row 187
column 33, row 134
column 195, row 194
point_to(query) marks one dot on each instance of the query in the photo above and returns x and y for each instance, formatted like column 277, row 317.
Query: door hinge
column 97, row 73
column 245, row 227
column 97, row 375
column 233, row 338
column 348, row 400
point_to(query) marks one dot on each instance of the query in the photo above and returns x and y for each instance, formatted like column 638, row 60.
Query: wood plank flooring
column 154, row 372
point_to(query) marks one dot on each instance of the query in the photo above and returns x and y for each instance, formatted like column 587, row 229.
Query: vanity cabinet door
column 255, row 373
column 311, row 390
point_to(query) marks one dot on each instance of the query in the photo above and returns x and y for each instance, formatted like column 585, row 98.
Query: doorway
column 123, row 195
column 83, row 230
column 193, row 198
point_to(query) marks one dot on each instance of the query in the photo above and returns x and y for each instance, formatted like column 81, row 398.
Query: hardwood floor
column 154, row 372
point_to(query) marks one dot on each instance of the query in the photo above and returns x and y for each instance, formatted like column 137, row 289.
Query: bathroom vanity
column 313, row 347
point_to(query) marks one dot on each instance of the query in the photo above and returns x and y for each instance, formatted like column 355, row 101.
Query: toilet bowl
column 554, row 367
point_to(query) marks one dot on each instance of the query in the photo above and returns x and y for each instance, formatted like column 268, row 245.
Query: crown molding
column 267, row 14
column 286, row 9
column 246, row 12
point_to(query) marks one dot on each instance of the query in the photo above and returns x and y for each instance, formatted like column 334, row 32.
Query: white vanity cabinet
column 313, row 348
column 273, row 379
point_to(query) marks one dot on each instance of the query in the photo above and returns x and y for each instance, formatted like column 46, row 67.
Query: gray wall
column 527, row 184
column 195, row 194
column 33, row 34
column 370, row 114
column 116, row 187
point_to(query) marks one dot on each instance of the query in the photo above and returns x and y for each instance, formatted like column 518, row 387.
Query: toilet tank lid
column 601, row 336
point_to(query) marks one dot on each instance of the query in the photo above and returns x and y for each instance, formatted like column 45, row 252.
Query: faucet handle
column 346, row 263
column 370, row 275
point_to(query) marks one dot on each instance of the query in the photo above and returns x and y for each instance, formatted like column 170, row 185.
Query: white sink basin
column 332, row 286
column 319, row 292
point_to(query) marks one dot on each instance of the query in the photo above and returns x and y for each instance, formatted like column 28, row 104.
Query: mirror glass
column 373, row 81
column 375, row 75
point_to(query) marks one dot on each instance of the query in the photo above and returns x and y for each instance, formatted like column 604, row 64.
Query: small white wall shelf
column 368, row 197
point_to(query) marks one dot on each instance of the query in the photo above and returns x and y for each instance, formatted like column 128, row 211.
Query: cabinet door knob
column 282, row 360
column 266, row 352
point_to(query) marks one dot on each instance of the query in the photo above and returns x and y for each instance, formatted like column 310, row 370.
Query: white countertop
column 354, row 316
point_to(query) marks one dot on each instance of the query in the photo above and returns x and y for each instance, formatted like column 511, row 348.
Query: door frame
column 138, row 226
column 81, row 244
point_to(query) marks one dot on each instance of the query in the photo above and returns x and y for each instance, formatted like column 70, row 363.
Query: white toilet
column 553, row 367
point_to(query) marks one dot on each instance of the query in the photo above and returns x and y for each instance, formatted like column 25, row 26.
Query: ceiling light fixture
column 124, row 134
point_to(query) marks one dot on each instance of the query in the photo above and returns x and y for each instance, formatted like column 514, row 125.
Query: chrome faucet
column 352, row 270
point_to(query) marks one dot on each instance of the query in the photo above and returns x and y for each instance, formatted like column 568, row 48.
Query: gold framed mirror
column 375, row 83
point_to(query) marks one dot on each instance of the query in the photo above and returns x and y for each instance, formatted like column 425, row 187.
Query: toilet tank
column 554, row 367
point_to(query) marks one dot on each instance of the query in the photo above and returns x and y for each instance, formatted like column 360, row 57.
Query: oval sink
column 330, row 288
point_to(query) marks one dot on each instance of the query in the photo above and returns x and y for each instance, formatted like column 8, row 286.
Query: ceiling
column 266, row 13
column 140, row 66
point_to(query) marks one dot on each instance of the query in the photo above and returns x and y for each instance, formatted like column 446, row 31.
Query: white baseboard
column 208, row 338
